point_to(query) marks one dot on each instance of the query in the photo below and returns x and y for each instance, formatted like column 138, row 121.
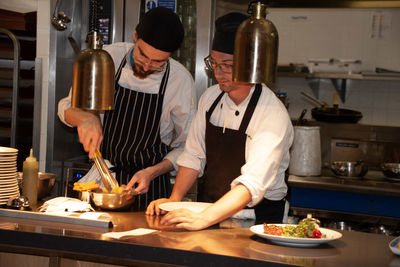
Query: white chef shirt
column 269, row 137
column 179, row 100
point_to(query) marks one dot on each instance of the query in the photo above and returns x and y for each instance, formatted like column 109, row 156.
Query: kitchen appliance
column 333, row 114
column 305, row 153
column 93, row 77
column 256, row 48
column 73, row 170
column 93, row 73
column 348, row 150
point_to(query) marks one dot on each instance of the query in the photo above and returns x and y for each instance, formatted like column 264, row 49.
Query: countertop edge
column 119, row 252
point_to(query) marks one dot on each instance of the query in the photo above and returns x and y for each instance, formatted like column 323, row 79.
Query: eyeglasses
column 144, row 60
column 212, row 65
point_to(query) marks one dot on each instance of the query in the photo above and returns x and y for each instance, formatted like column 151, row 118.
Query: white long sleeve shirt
column 179, row 100
column 269, row 137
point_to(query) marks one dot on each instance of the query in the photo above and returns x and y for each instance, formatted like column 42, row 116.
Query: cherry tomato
column 316, row 233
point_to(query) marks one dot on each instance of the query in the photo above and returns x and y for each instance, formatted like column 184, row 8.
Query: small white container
column 305, row 153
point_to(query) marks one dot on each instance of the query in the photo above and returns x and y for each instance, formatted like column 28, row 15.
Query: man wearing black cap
column 154, row 105
column 243, row 133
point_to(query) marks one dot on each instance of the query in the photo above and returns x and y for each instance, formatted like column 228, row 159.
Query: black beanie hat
column 161, row 28
column 225, row 31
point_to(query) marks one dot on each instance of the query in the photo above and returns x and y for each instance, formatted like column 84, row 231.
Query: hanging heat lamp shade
column 256, row 48
column 93, row 77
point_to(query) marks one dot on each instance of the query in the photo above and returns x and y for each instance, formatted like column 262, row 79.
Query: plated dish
column 328, row 235
column 193, row 206
column 394, row 245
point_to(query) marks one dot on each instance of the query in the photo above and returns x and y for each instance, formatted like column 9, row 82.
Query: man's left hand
column 143, row 179
column 185, row 219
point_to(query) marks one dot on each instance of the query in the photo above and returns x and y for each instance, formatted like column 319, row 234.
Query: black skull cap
column 161, row 28
column 225, row 32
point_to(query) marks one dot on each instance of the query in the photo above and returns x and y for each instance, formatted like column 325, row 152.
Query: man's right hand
column 154, row 209
column 89, row 128
column 90, row 133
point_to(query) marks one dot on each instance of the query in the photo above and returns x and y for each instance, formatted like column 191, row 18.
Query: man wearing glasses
column 243, row 133
column 154, row 105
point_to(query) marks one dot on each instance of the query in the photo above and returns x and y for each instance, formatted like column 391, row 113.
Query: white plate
column 7, row 181
column 11, row 150
column 8, row 170
column 394, row 245
column 193, row 206
column 330, row 235
column 9, row 188
column 8, row 159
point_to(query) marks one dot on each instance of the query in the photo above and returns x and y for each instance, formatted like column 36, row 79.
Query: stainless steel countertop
column 373, row 183
column 219, row 245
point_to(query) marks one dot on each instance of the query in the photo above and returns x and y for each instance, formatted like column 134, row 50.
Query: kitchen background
column 369, row 35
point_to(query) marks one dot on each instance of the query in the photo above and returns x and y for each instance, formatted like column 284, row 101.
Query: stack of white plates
column 8, row 174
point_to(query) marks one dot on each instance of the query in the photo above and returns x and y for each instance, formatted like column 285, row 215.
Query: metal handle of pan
column 322, row 103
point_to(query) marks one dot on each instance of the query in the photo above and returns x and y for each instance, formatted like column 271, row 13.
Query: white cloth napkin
column 94, row 175
column 245, row 214
column 135, row 232
column 64, row 204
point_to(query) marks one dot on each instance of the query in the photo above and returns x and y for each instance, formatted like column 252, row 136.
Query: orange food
column 115, row 190
column 92, row 185
column 273, row 229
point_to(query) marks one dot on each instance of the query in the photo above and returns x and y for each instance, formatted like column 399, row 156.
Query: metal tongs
column 108, row 180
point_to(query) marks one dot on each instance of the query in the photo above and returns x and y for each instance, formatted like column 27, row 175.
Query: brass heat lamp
column 256, row 48
column 93, row 77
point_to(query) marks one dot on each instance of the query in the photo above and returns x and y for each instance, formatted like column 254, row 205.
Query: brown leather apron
column 225, row 154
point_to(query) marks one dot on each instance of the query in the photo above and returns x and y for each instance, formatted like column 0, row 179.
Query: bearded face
column 139, row 72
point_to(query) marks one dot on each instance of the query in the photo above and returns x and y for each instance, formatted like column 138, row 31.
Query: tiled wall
column 370, row 35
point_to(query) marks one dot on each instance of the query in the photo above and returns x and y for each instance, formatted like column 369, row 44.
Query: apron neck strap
column 250, row 108
column 211, row 110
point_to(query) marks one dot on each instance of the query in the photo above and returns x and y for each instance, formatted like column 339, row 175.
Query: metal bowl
column 349, row 169
column 391, row 170
column 45, row 184
column 111, row 201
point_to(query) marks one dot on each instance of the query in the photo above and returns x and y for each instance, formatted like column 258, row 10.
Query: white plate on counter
column 193, row 206
column 394, row 245
column 330, row 235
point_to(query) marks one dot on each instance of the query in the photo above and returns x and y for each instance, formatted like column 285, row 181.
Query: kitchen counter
column 225, row 244
column 377, row 186
column 372, row 200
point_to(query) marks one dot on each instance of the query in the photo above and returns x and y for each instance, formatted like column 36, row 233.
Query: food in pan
column 92, row 185
column 305, row 229
column 115, row 190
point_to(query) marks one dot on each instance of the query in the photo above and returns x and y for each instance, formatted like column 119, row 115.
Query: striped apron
column 131, row 137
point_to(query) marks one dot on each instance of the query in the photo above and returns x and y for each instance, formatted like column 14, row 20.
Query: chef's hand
column 143, row 179
column 90, row 132
column 154, row 209
column 185, row 219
